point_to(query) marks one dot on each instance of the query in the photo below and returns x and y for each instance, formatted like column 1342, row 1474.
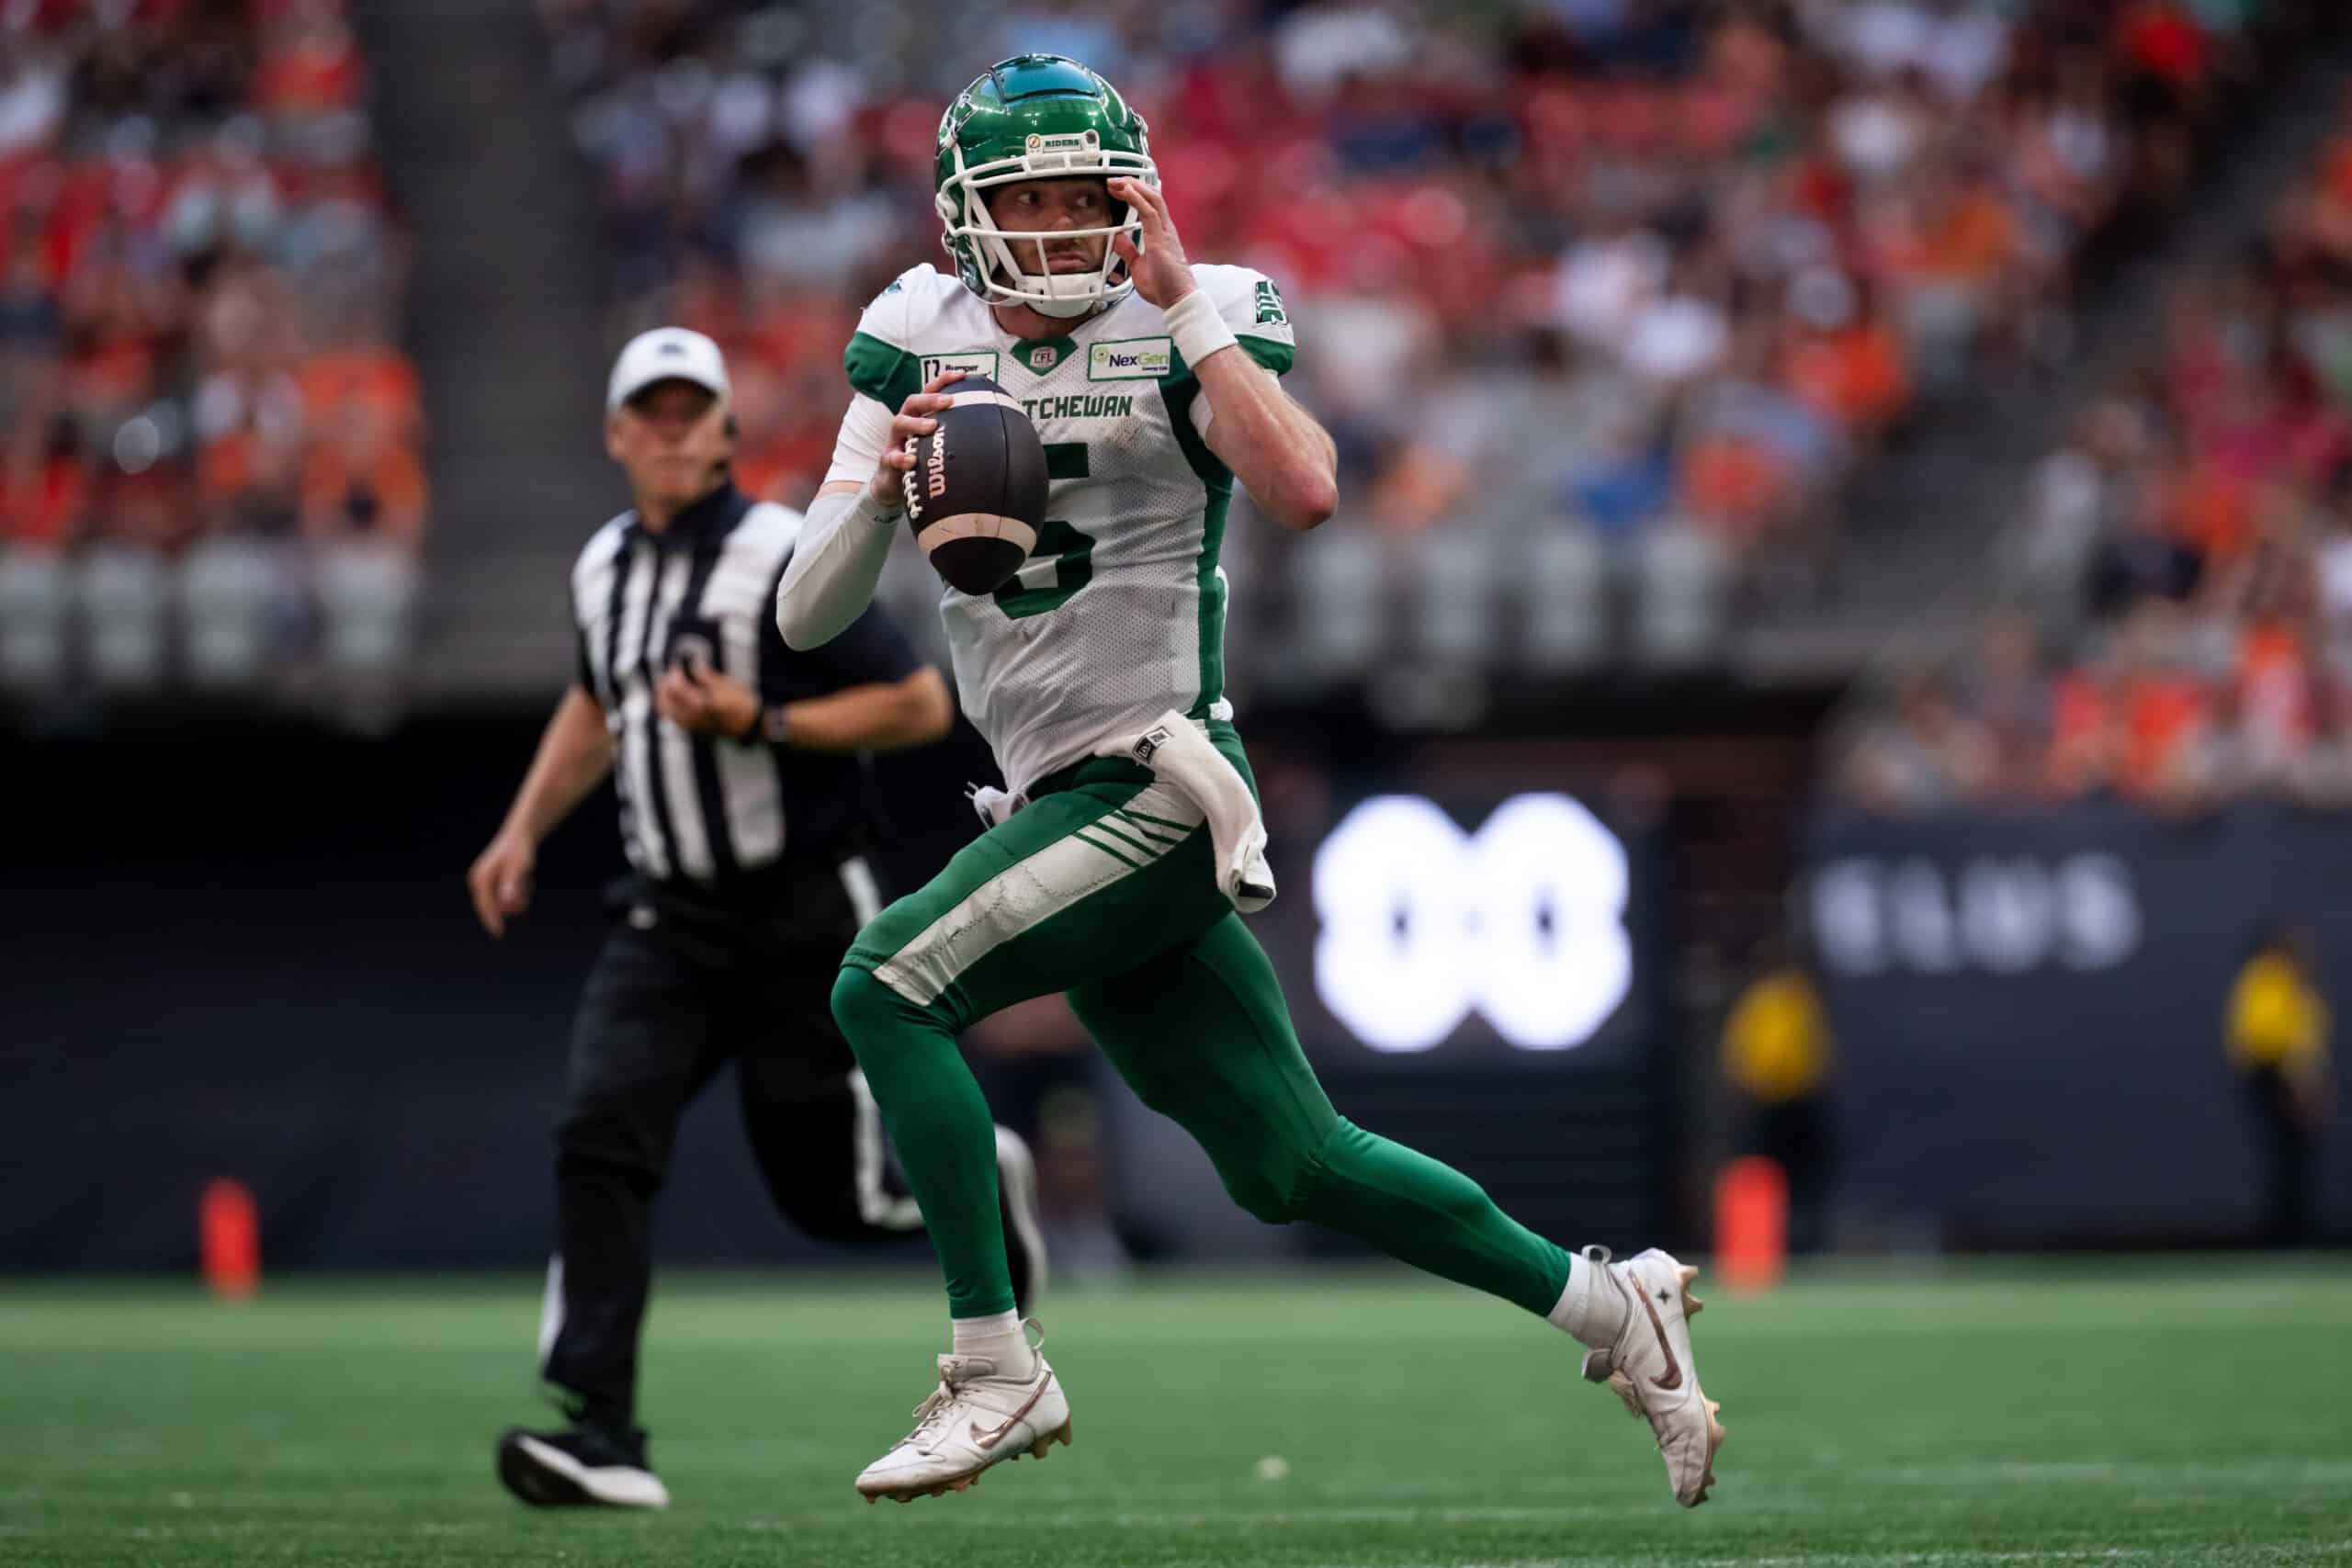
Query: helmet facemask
column 993, row 261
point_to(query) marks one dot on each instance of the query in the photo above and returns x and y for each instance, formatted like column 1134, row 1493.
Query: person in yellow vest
column 2277, row 1035
column 1776, row 1051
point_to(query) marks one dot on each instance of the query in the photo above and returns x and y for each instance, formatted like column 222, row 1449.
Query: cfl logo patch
column 1522, row 923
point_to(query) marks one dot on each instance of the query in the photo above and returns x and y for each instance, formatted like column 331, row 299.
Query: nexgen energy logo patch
column 1139, row 359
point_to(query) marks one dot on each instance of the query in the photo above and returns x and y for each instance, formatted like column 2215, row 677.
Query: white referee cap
column 666, row 353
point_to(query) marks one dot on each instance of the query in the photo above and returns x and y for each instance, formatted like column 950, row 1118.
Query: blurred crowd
column 2176, row 626
column 1709, row 252
column 1624, row 288
column 210, row 474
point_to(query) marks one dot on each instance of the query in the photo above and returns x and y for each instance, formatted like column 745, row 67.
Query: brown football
column 976, row 496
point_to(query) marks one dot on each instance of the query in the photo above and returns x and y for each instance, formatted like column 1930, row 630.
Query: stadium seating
column 1715, row 254
column 1718, row 255
column 1565, row 603
column 199, row 288
column 123, row 596
column 33, row 613
column 2176, row 599
column 228, row 584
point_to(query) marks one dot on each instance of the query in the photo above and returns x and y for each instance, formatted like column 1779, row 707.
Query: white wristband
column 1197, row 329
column 872, row 512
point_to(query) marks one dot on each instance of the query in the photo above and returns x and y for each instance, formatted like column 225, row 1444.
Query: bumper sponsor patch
column 971, row 362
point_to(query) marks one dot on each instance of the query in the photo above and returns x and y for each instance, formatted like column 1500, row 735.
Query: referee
column 743, row 813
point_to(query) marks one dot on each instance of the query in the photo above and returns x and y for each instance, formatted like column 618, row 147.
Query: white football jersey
column 1119, row 614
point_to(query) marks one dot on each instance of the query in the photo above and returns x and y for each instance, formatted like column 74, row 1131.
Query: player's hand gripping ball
column 976, row 495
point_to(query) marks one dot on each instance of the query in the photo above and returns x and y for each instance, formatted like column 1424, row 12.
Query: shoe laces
column 953, row 1371
column 934, row 1405
column 929, row 1414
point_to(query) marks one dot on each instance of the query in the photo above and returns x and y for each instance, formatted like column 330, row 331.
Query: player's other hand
column 501, row 880
column 913, row 420
column 703, row 702
column 1162, row 275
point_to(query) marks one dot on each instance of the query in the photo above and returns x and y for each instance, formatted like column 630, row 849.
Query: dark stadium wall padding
column 2029, row 1007
column 251, row 956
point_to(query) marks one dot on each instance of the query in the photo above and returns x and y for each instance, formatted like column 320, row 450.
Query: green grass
column 2188, row 1412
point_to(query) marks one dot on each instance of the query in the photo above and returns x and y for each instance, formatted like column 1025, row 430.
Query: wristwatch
column 771, row 725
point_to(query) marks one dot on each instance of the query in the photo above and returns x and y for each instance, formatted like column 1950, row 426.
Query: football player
column 1155, row 385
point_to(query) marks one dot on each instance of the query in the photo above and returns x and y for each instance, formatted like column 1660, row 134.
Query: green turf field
column 2197, row 1412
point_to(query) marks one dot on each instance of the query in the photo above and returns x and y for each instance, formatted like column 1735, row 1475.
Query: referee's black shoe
column 581, row 1466
column 1025, row 1238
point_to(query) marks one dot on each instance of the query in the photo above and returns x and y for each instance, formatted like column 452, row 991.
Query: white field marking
column 2103, row 1473
column 241, row 1529
column 684, row 1325
column 2279, row 1551
column 2299, row 1553
column 732, row 1316
column 1251, row 1519
column 1345, row 1478
column 226, row 1530
column 1612, row 1511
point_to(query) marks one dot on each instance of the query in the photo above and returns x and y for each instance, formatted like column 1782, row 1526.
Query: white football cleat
column 972, row 1420
column 1653, row 1371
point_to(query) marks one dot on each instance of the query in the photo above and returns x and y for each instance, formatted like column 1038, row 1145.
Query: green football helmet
column 1035, row 116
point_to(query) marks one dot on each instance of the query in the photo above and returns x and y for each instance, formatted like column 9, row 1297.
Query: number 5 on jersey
column 1063, row 561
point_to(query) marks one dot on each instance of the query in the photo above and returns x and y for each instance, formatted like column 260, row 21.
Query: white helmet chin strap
column 1061, row 295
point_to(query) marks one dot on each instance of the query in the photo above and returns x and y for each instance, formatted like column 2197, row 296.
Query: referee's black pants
column 682, row 986
column 2289, row 1172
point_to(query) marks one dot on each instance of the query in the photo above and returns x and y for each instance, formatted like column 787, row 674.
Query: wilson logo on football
column 1523, row 921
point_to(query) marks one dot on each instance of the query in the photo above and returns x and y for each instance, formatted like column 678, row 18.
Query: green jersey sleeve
column 879, row 364
column 1252, row 307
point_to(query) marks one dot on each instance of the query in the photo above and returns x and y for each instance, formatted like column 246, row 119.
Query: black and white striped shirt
column 697, row 810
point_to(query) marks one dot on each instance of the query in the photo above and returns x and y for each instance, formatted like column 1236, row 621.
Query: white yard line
column 2329, row 1551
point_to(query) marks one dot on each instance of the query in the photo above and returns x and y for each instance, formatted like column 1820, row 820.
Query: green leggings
column 1103, row 889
